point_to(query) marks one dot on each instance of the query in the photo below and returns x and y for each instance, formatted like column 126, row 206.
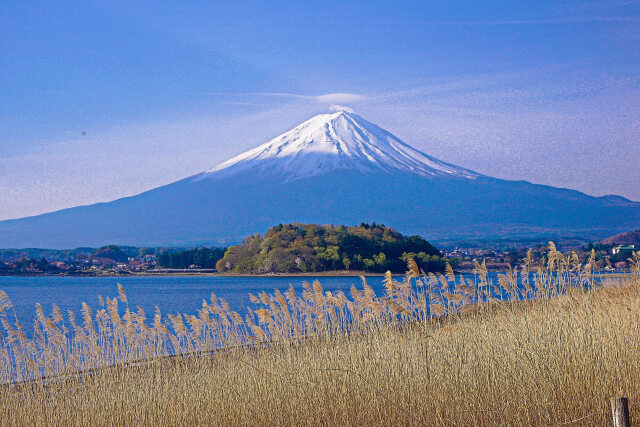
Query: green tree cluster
column 113, row 252
column 302, row 248
column 35, row 265
column 201, row 258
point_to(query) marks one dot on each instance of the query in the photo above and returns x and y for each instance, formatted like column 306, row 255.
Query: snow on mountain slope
column 333, row 169
column 340, row 140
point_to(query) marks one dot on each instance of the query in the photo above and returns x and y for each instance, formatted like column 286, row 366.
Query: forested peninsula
column 307, row 248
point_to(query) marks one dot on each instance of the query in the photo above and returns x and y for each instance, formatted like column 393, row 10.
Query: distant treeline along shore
column 309, row 248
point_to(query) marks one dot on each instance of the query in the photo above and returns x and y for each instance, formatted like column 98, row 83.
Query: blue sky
column 548, row 92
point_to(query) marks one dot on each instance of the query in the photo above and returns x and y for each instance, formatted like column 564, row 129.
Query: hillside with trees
column 199, row 258
column 306, row 248
column 628, row 238
column 111, row 252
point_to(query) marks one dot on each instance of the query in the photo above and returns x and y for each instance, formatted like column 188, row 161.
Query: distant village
column 82, row 262
column 108, row 260
column 607, row 258
column 117, row 261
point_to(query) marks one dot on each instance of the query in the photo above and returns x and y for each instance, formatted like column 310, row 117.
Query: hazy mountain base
column 199, row 211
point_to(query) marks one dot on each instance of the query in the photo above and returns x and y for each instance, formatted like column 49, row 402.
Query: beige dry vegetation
column 550, row 352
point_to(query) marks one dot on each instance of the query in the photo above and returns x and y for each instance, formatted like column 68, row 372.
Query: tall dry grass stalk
column 537, row 348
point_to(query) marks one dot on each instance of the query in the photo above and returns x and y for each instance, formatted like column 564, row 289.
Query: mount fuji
column 334, row 168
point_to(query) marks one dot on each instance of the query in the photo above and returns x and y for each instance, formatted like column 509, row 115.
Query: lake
column 172, row 294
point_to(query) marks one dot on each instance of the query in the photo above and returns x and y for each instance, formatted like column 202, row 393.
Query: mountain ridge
column 414, row 194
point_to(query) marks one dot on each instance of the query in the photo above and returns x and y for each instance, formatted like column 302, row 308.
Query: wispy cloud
column 339, row 98
column 327, row 98
column 336, row 107
column 552, row 21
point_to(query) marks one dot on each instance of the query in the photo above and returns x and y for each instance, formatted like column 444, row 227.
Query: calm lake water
column 170, row 294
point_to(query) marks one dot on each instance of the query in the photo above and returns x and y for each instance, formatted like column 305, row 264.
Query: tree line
column 198, row 257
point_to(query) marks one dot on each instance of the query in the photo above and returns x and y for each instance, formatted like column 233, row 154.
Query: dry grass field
column 551, row 351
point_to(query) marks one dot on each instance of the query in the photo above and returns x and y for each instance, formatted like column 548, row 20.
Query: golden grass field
column 551, row 352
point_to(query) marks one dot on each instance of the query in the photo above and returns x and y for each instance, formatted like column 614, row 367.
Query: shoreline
column 211, row 274
column 206, row 274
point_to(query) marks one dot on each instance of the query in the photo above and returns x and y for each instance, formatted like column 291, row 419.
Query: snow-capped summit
column 338, row 140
